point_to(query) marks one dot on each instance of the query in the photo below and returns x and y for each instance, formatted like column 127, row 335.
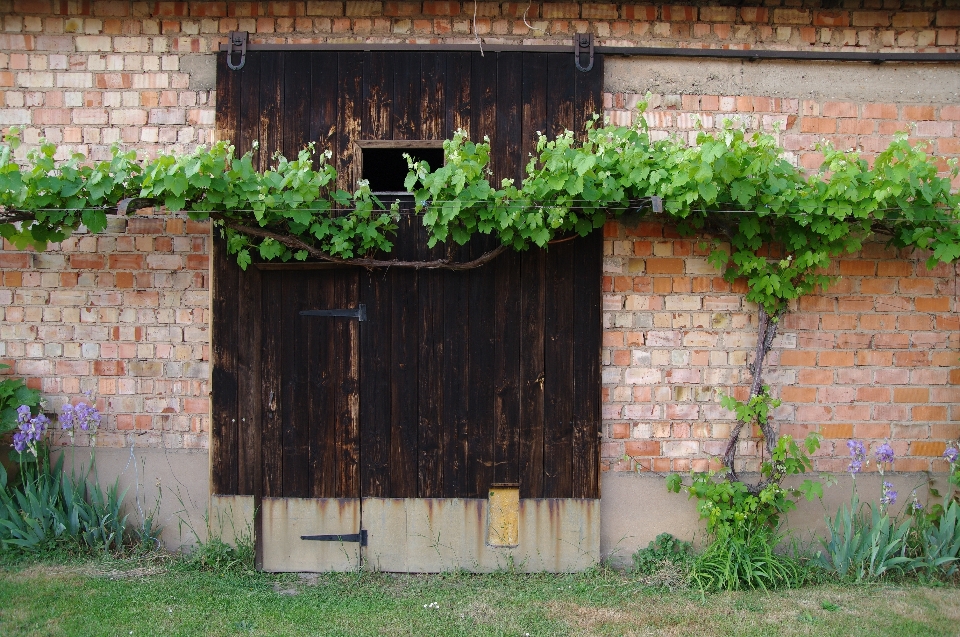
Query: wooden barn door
column 458, row 391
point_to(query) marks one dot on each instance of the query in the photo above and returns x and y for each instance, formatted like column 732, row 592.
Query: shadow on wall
column 175, row 481
column 636, row 507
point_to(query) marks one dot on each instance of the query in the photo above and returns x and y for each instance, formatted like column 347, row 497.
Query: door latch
column 360, row 313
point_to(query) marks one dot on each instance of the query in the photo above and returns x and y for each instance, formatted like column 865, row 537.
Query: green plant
column 739, row 559
column 664, row 550
column 729, row 504
column 217, row 555
column 49, row 507
column 865, row 544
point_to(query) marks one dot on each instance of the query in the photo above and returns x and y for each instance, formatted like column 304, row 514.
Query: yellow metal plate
column 503, row 515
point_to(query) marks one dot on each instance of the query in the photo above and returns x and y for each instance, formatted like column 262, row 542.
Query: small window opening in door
column 383, row 163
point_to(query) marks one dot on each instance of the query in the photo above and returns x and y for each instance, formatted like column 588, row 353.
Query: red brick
column 948, row 18
column 840, row 109
column 664, row 266
column 754, row 14
column 857, row 267
column 86, row 261
column 795, row 358
column 919, row 113
column 950, row 112
column 679, row 14
column 831, row 19
column 560, row 10
column 109, row 368
column 822, row 125
column 642, row 448
column 928, row 413
column 933, row 304
column 911, row 395
column 871, row 19
column 126, row 261
column 927, row 448
column 142, row 225
column 836, row 430
column 798, row 394
column 645, row 13
column 836, row 359
column 912, row 19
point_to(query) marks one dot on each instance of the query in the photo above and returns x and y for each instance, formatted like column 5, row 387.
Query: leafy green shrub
column 49, row 507
column 865, row 545
column 665, row 550
column 740, row 559
column 729, row 505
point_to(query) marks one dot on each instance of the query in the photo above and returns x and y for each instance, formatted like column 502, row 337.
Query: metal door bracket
column 583, row 45
column 360, row 537
column 237, row 43
column 360, row 313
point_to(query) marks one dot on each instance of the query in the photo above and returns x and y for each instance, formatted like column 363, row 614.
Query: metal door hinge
column 360, row 313
column 583, row 45
column 237, row 43
column 360, row 537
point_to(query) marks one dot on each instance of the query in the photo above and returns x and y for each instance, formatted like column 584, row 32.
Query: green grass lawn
column 162, row 597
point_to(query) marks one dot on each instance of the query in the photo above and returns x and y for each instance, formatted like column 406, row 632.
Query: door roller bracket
column 237, row 43
column 583, row 45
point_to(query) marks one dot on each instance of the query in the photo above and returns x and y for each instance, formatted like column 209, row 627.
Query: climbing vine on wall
column 767, row 222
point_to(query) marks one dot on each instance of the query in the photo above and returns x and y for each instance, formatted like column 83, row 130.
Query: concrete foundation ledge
column 171, row 484
column 636, row 507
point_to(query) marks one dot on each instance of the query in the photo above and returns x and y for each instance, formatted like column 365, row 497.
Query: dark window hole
column 386, row 168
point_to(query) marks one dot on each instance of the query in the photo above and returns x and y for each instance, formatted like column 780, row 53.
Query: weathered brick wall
column 125, row 314
column 122, row 317
column 876, row 356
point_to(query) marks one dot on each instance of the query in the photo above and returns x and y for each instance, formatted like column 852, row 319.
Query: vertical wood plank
column 224, row 430
column 228, row 101
column 324, row 91
column 506, row 274
column 321, row 387
column 249, row 127
column 431, row 310
column 271, row 107
column 457, row 378
column 532, row 299
column 249, row 383
column 349, row 115
column 271, row 376
column 562, row 94
column 587, row 336
column 378, row 70
column 404, row 337
column 508, row 162
column 347, row 361
column 457, row 97
column 534, row 103
column 432, row 95
column 295, row 420
column 375, row 389
column 483, row 97
column 296, row 102
column 558, row 376
column 589, row 96
column 481, row 427
column 406, row 95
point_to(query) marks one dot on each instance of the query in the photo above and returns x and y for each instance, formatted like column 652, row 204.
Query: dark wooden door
column 457, row 380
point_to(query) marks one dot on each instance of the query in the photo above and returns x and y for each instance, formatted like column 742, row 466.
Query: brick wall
column 121, row 316
column 876, row 356
column 125, row 314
